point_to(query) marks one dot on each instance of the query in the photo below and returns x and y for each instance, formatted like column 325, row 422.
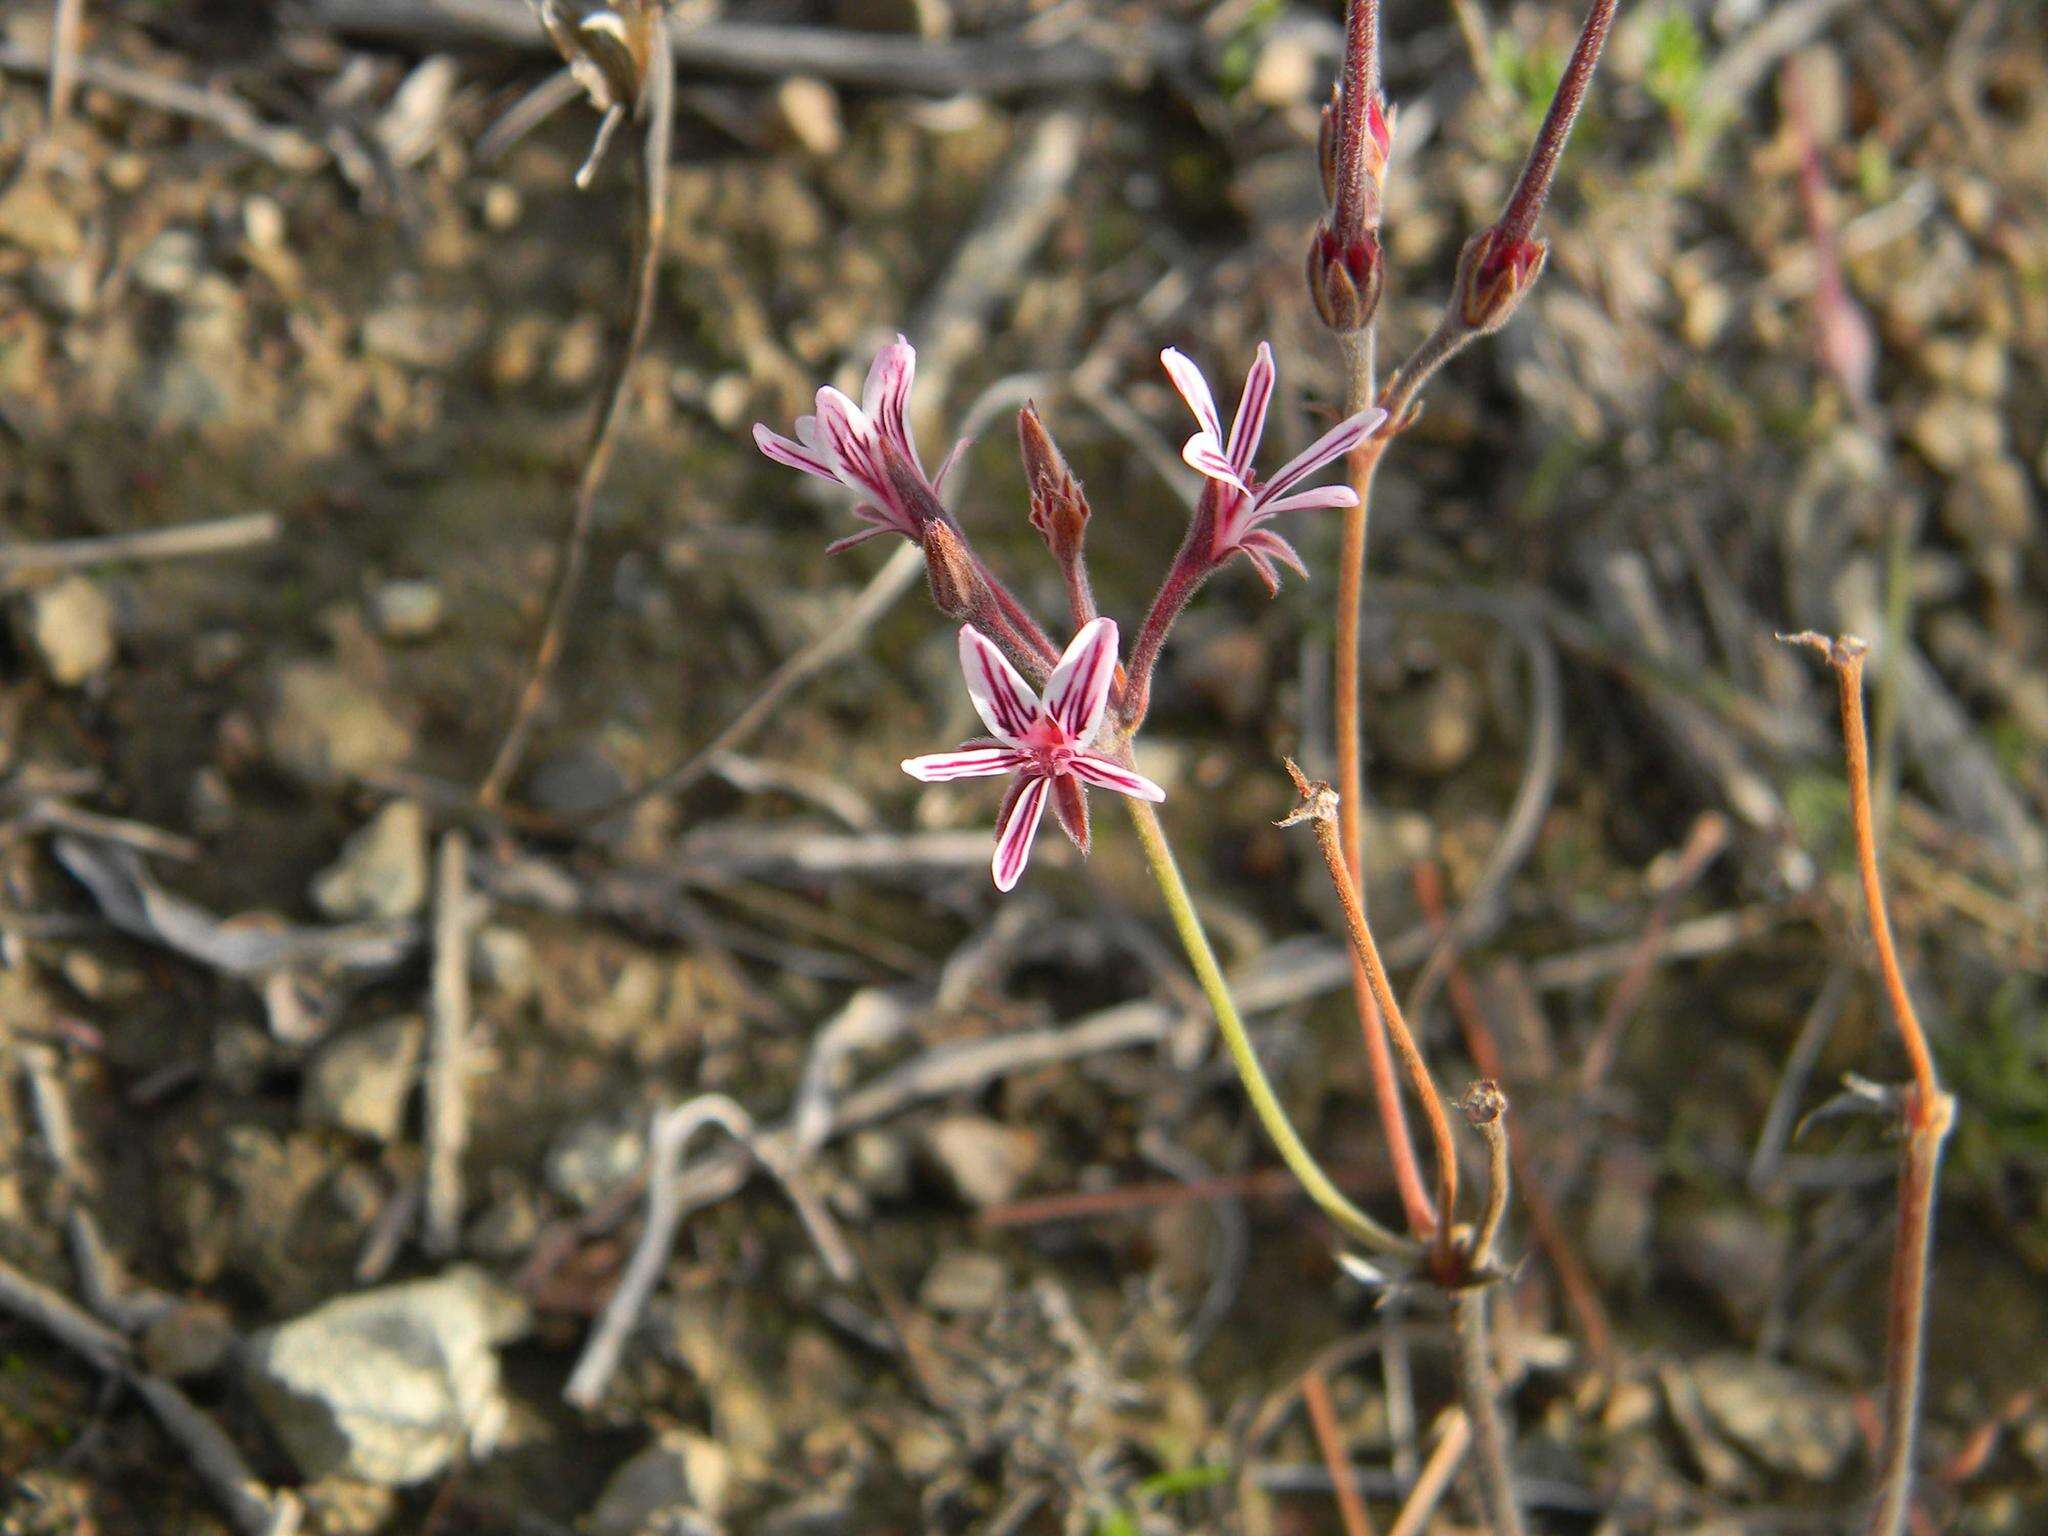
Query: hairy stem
column 1480, row 1393
column 1348, row 1218
column 1366, row 952
column 1364, row 460
column 1928, row 1113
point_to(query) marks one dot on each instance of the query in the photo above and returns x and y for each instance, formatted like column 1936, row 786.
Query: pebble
column 809, row 109
column 679, row 1476
column 408, row 609
column 421, row 335
column 382, row 870
column 194, row 1338
column 983, row 1160
column 64, row 285
column 1436, row 729
column 321, row 725
column 170, row 264
column 342, row 1506
column 360, row 1082
column 1953, row 431
column 70, row 625
column 502, row 959
column 592, row 1158
column 964, row 1283
column 387, row 1386
column 1786, row 1419
column 575, row 780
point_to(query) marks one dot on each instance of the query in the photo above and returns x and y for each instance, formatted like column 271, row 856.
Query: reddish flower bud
column 1495, row 272
column 955, row 583
column 1345, row 278
column 1059, row 511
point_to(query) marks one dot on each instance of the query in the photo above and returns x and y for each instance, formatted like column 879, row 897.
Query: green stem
column 1350, row 1220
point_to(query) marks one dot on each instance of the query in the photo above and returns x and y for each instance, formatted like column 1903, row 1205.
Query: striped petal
column 967, row 763
column 886, row 398
column 1013, row 842
column 1194, row 389
column 1249, row 425
column 1094, row 768
column 1004, row 700
column 783, row 450
column 1303, row 501
column 1078, row 691
column 1333, row 444
column 1202, row 452
column 848, row 437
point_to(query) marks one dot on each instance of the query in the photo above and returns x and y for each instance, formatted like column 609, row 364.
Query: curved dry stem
column 547, row 652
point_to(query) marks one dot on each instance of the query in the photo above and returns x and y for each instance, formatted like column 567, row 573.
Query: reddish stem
column 1532, row 187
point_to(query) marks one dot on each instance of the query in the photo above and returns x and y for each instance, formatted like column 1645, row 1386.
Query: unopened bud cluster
column 1346, row 267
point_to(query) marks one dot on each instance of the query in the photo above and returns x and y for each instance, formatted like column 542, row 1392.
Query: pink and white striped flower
column 849, row 445
column 1242, row 502
column 1043, row 742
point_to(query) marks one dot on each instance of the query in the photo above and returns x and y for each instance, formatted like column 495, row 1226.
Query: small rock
column 574, row 781
column 341, row 1506
column 322, row 725
column 170, row 264
column 964, row 1283
column 263, row 224
column 1436, row 730
column 1991, row 507
column 33, row 219
column 194, row 1338
column 1784, row 1418
column 881, row 1164
column 64, row 285
column 407, row 610
column 594, row 1157
column 388, row 1386
column 679, row 1475
column 502, row 960
column 578, row 352
column 382, row 871
column 360, row 1082
column 810, row 111
column 1732, row 1253
column 1953, row 430
column 985, row 1162
column 1288, row 70
column 421, row 335
column 70, row 624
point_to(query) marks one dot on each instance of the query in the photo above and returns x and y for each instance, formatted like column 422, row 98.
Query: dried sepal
column 1059, row 510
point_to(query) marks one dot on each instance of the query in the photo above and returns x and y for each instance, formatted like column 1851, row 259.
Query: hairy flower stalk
column 1927, row 1112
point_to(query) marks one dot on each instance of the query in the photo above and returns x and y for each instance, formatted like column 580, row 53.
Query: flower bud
column 1345, row 278
column 1495, row 272
column 1058, row 509
column 955, row 583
